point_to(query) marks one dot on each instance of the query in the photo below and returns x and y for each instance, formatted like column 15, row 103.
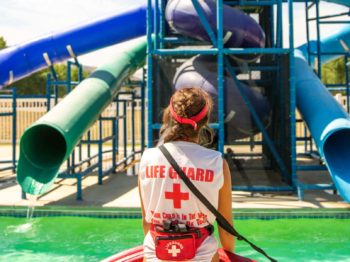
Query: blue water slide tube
column 22, row 60
column 334, row 45
column 339, row 2
column 327, row 121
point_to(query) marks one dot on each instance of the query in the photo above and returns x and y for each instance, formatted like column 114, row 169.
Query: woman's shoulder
column 204, row 152
column 150, row 153
column 150, row 150
column 213, row 155
column 211, row 151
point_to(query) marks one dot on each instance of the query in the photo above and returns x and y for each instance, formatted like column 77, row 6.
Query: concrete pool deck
column 120, row 190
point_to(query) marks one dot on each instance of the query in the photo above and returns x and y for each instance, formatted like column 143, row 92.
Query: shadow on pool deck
column 120, row 190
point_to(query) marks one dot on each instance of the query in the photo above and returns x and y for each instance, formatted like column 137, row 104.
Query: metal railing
column 30, row 110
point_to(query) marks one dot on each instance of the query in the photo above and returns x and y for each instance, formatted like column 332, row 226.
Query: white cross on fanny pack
column 174, row 251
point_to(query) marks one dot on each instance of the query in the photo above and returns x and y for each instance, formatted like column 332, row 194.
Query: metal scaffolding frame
column 156, row 48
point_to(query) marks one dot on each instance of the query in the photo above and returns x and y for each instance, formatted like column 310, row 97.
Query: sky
column 23, row 20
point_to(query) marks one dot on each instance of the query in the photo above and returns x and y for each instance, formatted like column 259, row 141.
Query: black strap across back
column 219, row 217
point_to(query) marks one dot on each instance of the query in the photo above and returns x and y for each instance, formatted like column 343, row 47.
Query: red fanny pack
column 179, row 243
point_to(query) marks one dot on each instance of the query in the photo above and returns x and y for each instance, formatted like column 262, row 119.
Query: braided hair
column 187, row 102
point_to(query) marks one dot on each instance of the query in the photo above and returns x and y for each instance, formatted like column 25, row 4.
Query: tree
column 2, row 43
column 333, row 72
column 36, row 83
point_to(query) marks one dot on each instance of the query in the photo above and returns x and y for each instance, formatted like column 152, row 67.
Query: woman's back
column 170, row 197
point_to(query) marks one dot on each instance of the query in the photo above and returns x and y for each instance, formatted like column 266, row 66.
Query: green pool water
column 92, row 239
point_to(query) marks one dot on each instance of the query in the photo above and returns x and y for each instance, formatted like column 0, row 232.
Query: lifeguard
column 177, row 226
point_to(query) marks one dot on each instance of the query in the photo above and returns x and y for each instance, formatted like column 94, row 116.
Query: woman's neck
column 189, row 139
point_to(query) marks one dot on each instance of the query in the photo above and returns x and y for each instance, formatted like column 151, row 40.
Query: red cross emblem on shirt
column 177, row 195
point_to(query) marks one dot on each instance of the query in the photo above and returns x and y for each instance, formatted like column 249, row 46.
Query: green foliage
column 2, row 43
column 36, row 83
column 333, row 72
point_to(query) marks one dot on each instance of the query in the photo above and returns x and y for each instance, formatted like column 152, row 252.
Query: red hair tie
column 193, row 120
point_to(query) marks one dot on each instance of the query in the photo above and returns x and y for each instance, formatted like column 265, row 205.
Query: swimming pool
column 91, row 235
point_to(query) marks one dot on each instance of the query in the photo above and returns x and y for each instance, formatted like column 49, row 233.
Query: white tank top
column 166, row 196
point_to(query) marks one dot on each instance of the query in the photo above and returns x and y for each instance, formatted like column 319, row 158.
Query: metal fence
column 30, row 110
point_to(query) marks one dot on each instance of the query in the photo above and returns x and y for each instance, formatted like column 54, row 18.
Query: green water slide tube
column 47, row 143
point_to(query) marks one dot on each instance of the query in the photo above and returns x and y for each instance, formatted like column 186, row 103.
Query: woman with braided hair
column 177, row 225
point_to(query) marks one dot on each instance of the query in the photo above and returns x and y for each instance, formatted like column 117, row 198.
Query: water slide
column 25, row 59
column 47, row 143
column 339, row 2
column 326, row 119
column 329, row 126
